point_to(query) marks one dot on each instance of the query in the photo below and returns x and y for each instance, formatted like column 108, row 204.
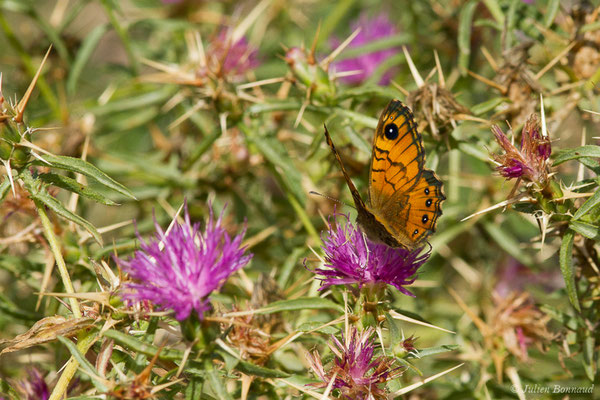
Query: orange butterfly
column 405, row 199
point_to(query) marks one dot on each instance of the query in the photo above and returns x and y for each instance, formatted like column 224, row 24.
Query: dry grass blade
column 401, row 317
column 423, row 382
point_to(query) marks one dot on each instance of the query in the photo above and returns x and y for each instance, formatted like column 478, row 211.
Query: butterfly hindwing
column 424, row 206
column 397, row 158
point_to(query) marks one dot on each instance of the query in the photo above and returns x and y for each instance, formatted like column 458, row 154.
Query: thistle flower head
column 358, row 375
column 371, row 29
column 34, row 387
column 351, row 258
column 228, row 58
column 530, row 162
column 520, row 323
column 179, row 270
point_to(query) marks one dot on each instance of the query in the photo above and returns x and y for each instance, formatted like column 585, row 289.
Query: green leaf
column 302, row 303
column 73, row 186
column 368, row 90
column 551, row 11
column 42, row 196
column 588, row 230
column 193, row 391
column 286, row 172
column 429, row 351
column 588, row 205
column 4, row 187
column 395, row 333
column 83, row 167
column 134, row 344
column 465, row 20
column 393, row 41
column 251, row 369
column 488, row 105
column 83, row 55
column 506, row 240
column 576, row 153
column 317, row 326
column 84, row 364
column 217, row 384
column 357, row 140
column 589, row 356
column 288, row 266
column 567, row 268
column 495, row 10
column 268, row 107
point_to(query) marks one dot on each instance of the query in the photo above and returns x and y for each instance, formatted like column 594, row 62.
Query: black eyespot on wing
column 426, row 190
column 425, row 218
column 415, row 232
column 428, row 203
column 391, row 131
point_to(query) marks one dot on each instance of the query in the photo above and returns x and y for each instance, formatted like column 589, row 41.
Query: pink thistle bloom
column 228, row 59
column 358, row 374
column 372, row 29
column 530, row 161
column 351, row 258
column 35, row 387
column 179, row 270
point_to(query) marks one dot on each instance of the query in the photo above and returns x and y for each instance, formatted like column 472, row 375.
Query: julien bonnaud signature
column 553, row 389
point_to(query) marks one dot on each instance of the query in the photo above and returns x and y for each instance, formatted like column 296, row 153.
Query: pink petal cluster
column 358, row 374
column 530, row 160
column 179, row 270
column 351, row 258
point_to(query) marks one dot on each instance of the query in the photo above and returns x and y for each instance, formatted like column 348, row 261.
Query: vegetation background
column 223, row 103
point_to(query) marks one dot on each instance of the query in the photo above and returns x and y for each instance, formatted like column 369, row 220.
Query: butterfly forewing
column 397, row 158
column 404, row 198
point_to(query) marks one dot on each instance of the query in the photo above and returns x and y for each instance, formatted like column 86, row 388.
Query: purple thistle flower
column 372, row 29
column 192, row 265
column 357, row 374
column 352, row 258
column 228, row 59
column 35, row 387
column 530, row 161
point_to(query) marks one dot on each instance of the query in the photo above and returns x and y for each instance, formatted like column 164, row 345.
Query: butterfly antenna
column 332, row 199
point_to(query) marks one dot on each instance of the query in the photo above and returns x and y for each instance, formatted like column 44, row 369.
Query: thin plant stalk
column 60, row 261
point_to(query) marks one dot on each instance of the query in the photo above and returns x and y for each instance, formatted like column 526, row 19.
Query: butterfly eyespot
column 425, row 218
column 415, row 232
column 426, row 190
column 391, row 131
column 428, row 203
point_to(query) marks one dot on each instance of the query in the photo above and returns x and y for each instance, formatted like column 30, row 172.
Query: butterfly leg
column 366, row 246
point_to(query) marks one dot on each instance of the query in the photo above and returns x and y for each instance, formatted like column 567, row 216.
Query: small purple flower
column 228, row 59
column 179, row 270
column 372, row 29
column 33, row 388
column 358, row 375
column 352, row 258
column 530, row 161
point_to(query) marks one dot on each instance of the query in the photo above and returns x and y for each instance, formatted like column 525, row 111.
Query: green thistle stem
column 85, row 341
column 60, row 261
column 108, row 6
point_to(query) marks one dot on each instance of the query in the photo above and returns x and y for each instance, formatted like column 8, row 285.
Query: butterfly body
column 404, row 198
